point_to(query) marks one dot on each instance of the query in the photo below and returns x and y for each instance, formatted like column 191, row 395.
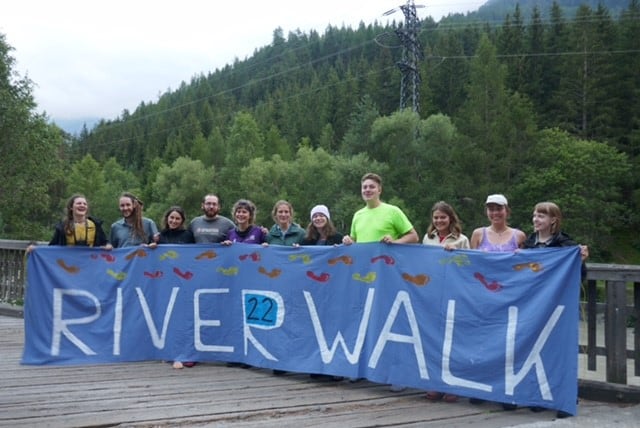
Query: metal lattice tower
column 411, row 56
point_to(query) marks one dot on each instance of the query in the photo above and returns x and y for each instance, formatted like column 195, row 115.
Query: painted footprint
column 419, row 280
column 69, row 269
column 273, row 274
column 368, row 278
column 232, row 271
column 347, row 260
column 119, row 276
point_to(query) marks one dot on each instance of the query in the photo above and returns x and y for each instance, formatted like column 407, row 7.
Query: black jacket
column 560, row 239
column 60, row 238
column 335, row 239
column 180, row 236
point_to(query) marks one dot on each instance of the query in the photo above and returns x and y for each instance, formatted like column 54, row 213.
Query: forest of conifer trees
column 535, row 108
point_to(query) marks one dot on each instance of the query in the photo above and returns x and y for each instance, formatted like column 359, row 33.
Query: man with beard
column 133, row 229
column 210, row 227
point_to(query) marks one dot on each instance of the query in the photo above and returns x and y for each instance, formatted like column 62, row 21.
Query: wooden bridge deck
column 152, row 394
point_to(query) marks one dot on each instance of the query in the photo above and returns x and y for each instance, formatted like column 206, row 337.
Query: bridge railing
column 610, row 306
column 12, row 270
column 611, row 318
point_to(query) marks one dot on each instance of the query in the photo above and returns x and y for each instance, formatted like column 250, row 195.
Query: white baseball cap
column 497, row 199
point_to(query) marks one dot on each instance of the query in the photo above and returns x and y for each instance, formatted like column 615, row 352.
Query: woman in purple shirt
column 498, row 236
column 246, row 232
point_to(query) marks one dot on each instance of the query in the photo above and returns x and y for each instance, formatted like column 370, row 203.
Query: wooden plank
column 152, row 394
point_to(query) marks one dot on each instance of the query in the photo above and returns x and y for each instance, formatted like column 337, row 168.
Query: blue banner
column 496, row 326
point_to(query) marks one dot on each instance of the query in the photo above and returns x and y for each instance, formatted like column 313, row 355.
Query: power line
column 414, row 79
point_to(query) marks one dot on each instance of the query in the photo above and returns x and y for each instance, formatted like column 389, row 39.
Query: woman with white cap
column 498, row 236
column 321, row 230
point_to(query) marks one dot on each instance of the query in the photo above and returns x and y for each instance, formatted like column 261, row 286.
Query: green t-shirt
column 371, row 224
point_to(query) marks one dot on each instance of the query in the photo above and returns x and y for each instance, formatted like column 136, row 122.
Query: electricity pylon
column 411, row 56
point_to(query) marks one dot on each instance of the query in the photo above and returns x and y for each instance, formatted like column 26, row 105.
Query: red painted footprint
column 184, row 275
column 491, row 286
column 153, row 275
column 253, row 256
column 388, row 260
column 109, row 258
column 323, row 277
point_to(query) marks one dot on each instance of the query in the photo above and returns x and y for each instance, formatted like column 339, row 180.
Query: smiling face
column 497, row 214
column 211, row 206
column 319, row 220
column 441, row 221
column 174, row 220
column 370, row 191
column 242, row 216
column 126, row 206
column 283, row 215
column 80, row 207
column 542, row 223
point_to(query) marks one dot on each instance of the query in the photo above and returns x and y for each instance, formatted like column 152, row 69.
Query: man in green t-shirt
column 379, row 221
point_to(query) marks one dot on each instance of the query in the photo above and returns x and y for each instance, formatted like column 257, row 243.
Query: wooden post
column 615, row 326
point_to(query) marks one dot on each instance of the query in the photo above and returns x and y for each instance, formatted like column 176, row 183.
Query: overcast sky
column 95, row 59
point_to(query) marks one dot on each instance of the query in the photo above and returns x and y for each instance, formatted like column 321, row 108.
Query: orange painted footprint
column 273, row 274
column 420, row 280
column 69, row 269
column 535, row 267
column 137, row 253
column 207, row 255
column 347, row 260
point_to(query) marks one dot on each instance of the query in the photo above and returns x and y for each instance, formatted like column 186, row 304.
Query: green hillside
column 545, row 107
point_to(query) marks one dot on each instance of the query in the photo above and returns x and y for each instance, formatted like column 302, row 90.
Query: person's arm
column 101, row 238
column 411, row 237
column 155, row 233
column 476, row 237
column 520, row 237
column 113, row 236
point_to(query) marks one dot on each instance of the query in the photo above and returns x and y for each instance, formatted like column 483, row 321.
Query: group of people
column 377, row 221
